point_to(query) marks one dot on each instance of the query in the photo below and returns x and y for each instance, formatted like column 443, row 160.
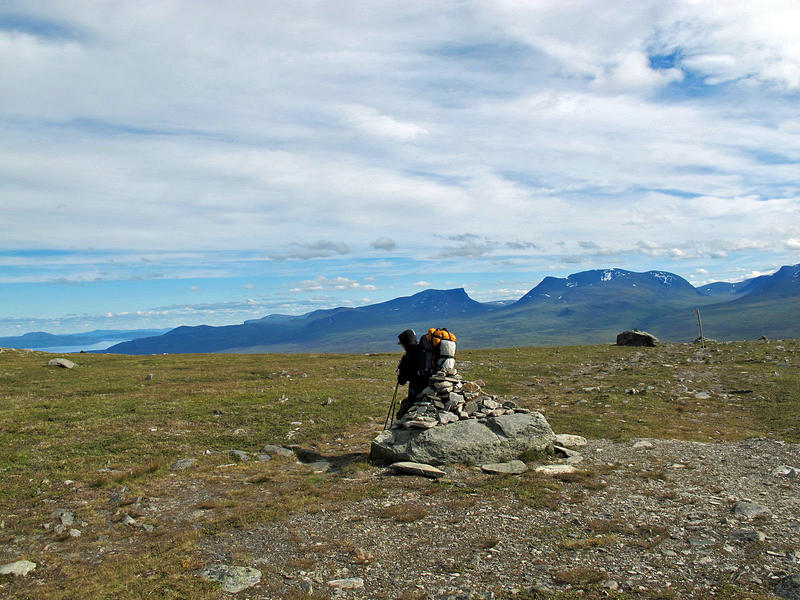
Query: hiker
column 411, row 369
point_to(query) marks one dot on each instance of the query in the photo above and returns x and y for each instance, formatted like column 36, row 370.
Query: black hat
column 407, row 338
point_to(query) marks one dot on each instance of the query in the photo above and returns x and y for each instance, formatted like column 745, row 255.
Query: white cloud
column 370, row 121
column 422, row 284
column 335, row 283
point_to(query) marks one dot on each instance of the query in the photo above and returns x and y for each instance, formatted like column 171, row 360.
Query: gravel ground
column 646, row 518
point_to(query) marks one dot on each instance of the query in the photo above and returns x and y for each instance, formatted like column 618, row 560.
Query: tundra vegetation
column 100, row 441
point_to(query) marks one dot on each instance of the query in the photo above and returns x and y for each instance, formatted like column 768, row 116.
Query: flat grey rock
column 786, row 471
column 61, row 362
column 495, row 439
column 351, row 583
column 512, row 467
column 748, row 535
column 239, row 455
column 570, row 441
column 750, row 510
column 19, row 568
column 273, row 450
column 231, row 579
column 555, row 469
column 184, row 463
column 415, row 468
column 789, row 587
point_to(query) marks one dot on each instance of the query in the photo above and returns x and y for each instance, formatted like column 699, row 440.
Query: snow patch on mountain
column 666, row 278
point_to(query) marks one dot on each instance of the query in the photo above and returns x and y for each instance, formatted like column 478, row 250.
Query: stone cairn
column 448, row 399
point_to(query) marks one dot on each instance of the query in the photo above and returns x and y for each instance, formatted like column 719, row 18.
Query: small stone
column 786, row 471
column 414, row 468
column 239, row 455
column 61, row 362
column 567, row 440
column 231, row 579
column 19, row 568
column 184, row 463
column 361, row 556
column 563, row 452
column 128, row 520
column 422, row 423
column 148, row 377
column 555, row 469
column 702, row 395
column 610, row 584
column 306, row 586
column 351, row 583
column 64, row 516
column 327, row 402
column 273, row 450
column 700, row 542
column 513, row 467
column 750, row 510
column 643, row 444
column 75, row 533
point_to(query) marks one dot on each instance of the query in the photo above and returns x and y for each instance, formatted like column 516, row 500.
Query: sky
column 192, row 162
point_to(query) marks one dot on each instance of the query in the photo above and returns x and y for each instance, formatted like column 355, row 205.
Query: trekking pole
column 391, row 407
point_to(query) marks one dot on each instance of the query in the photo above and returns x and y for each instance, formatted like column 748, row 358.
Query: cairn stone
column 497, row 439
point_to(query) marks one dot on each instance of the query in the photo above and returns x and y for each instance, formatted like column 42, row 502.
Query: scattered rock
column 514, row 467
column 273, row 450
column 184, row 463
column 750, row 510
column 306, row 586
column 148, row 377
column 231, row 579
column 789, row 587
column 786, row 471
column 567, row 440
column 748, row 535
column 644, row 444
column 636, row 338
column 415, row 468
column 556, row 469
column 239, row 455
column 351, row 583
column 19, row 568
column 61, row 362
column 702, row 395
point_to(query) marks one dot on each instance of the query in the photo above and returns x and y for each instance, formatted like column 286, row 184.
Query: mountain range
column 590, row 307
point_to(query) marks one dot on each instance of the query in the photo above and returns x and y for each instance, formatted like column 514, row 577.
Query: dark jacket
column 411, row 367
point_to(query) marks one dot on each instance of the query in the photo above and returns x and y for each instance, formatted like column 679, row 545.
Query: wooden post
column 700, row 327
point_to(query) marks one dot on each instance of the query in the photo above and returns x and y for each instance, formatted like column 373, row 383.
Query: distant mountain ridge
column 40, row 339
column 584, row 308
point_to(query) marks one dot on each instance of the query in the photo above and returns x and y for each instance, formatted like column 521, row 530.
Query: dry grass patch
column 579, row 576
column 598, row 541
column 404, row 513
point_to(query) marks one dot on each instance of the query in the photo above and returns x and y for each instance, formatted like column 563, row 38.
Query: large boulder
column 636, row 338
column 471, row 441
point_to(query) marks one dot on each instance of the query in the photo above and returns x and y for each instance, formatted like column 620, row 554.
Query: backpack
column 440, row 349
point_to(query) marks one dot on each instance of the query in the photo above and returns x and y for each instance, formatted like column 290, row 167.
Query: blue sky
column 183, row 163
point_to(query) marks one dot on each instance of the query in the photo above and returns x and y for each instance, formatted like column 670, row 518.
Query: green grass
column 104, row 427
